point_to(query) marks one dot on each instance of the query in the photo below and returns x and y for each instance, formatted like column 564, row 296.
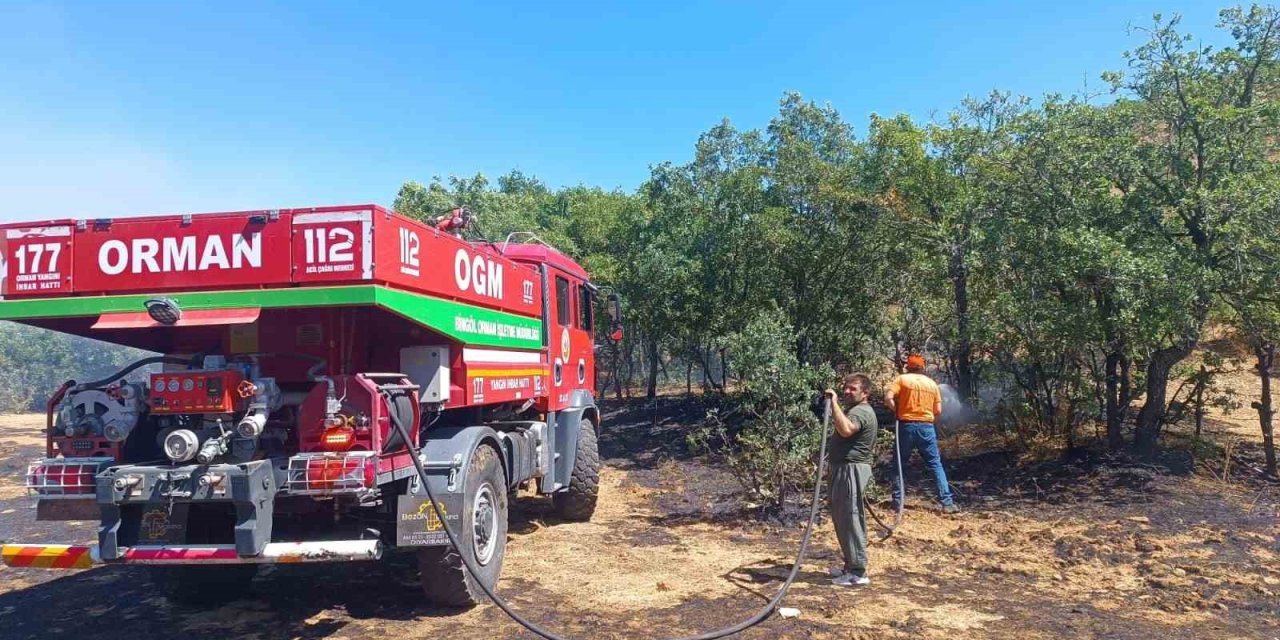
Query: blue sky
column 111, row 109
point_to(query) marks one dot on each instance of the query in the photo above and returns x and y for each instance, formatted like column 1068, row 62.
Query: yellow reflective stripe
column 48, row 555
column 45, row 556
column 7, row 553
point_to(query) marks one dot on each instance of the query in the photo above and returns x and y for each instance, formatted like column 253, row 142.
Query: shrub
column 765, row 429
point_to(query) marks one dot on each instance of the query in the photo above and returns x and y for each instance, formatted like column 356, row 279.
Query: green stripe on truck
column 465, row 323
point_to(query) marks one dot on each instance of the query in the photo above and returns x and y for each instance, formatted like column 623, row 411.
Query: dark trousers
column 921, row 436
column 848, row 482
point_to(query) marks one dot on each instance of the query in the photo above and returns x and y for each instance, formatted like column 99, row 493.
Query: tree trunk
column 1126, row 387
column 704, row 361
column 899, row 358
column 631, row 369
column 1115, row 438
column 652, row 348
column 688, row 377
column 1266, row 360
column 1201, row 381
column 966, row 384
column 703, row 357
column 1147, row 430
column 1117, row 370
column 617, row 372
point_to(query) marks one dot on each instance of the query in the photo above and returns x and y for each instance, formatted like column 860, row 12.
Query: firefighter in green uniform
column 850, row 457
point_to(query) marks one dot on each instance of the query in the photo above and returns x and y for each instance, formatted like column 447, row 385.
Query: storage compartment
column 428, row 367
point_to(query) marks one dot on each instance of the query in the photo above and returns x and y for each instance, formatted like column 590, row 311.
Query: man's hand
column 833, row 401
column 843, row 425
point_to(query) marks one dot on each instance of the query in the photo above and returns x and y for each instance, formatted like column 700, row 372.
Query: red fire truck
column 292, row 344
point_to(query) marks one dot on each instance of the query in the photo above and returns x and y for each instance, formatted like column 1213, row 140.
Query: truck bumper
column 250, row 487
column 61, row 556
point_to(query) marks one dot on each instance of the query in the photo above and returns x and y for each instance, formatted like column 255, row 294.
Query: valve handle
column 247, row 389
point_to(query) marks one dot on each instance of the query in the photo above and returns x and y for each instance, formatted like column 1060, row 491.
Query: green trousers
column 848, row 482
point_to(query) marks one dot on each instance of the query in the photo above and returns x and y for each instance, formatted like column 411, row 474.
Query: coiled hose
column 760, row 616
column 897, row 516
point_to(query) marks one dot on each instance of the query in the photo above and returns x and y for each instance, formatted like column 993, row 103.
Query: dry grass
column 22, row 430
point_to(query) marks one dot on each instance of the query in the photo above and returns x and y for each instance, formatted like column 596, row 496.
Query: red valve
column 247, row 389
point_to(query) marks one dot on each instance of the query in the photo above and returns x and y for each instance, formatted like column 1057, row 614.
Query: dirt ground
column 1081, row 548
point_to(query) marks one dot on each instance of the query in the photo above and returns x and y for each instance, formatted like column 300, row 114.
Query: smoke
column 954, row 410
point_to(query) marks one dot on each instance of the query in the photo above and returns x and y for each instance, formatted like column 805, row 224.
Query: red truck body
column 319, row 247
column 299, row 345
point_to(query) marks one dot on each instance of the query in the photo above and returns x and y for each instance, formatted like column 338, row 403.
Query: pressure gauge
column 173, row 385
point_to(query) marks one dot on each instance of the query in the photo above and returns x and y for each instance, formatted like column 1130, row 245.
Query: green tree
column 935, row 179
column 768, row 435
column 1201, row 123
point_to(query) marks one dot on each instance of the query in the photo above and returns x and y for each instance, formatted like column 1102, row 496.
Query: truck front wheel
column 578, row 501
column 483, row 537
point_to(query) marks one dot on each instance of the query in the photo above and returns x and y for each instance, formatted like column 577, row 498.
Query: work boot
column 951, row 508
column 851, row 580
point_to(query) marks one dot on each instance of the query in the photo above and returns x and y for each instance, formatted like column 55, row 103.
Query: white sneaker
column 850, row 580
column 836, row 570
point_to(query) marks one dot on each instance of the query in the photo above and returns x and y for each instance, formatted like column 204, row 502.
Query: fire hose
column 757, row 618
column 898, row 508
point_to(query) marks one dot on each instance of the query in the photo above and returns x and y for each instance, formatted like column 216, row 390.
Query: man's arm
column 844, row 426
column 937, row 402
column 890, row 396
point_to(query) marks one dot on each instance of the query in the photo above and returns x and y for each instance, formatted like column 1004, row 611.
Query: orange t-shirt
column 917, row 398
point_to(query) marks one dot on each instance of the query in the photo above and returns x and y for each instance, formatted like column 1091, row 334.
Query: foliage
column 767, row 433
column 34, row 362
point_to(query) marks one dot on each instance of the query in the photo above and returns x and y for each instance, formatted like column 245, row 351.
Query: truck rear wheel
column 578, row 501
column 483, row 537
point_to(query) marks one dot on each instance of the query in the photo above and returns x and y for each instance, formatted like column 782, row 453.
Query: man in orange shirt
column 917, row 402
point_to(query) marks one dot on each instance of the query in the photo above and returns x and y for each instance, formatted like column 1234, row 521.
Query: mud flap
column 417, row 524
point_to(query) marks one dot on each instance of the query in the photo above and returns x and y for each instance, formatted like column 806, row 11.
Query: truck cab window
column 585, row 309
column 562, row 301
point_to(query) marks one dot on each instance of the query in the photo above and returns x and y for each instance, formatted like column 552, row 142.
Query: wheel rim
column 484, row 519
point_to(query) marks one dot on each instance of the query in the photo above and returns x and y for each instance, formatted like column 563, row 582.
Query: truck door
column 571, row 338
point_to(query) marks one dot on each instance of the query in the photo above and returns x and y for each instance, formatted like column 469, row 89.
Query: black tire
column 578, row 502
column 445, row 581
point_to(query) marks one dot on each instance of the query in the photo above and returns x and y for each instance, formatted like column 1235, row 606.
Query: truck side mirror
column 615, row 317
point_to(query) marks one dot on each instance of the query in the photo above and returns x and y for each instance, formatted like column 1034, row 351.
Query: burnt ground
column 1080, row 547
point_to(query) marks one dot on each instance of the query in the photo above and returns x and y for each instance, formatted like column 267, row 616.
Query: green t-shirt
column 860, row 447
